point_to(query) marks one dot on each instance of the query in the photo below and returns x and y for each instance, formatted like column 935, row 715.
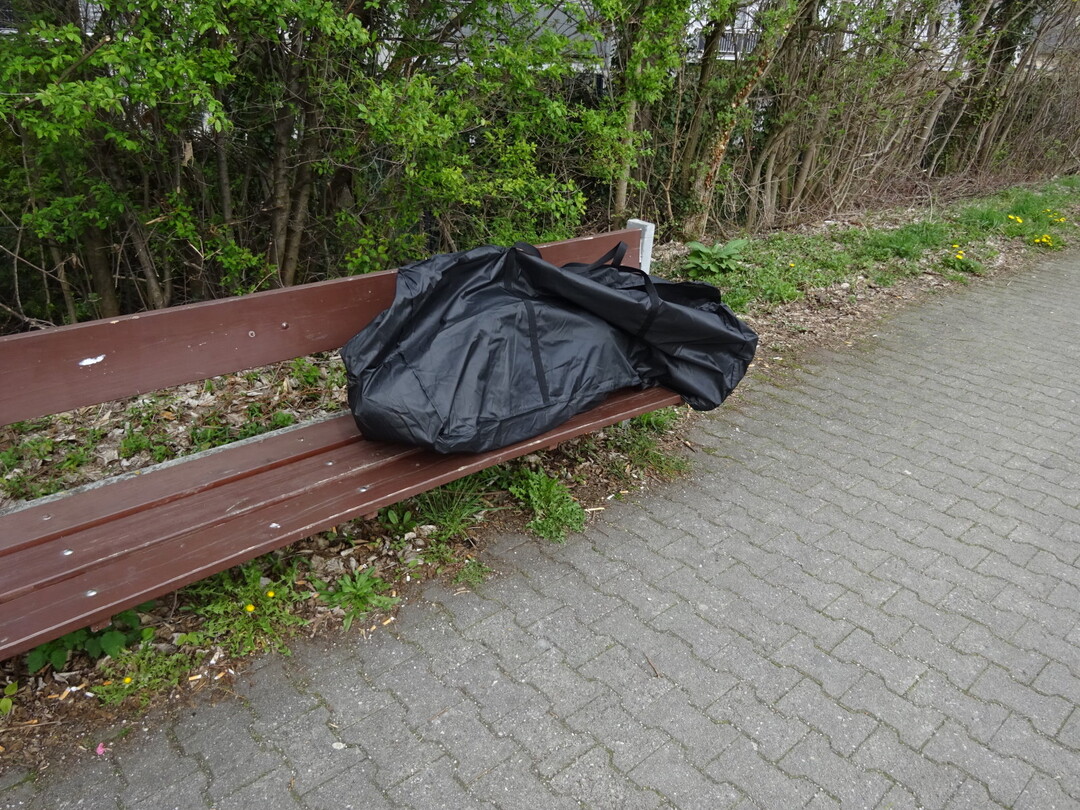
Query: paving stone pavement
column 867, row 595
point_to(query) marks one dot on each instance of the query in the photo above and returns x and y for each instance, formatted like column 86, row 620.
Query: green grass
column 453, row 509
column 781, row 267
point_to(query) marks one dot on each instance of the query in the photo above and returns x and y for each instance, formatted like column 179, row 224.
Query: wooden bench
column 78, row 558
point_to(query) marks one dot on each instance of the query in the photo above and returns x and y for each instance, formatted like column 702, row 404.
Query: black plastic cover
column 487, row 347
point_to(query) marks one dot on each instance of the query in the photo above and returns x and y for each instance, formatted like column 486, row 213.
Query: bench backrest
column 68, row 367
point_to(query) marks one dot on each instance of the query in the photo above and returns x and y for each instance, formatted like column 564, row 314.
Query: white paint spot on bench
column 275, row 525
column 89, row 361
column 91, row 593
column 68, row 552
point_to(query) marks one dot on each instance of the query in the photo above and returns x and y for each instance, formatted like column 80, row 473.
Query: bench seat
column 78, row 558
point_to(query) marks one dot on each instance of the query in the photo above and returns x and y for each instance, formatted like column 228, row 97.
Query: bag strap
column 613, row 257
column 654, row 302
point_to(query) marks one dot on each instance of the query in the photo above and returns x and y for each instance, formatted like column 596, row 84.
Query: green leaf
column 36, row 658
column 112, row 642
column 6, row 705
column 11, row 688
column 58, row 658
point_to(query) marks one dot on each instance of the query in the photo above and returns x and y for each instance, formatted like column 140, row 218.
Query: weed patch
column 356, row 595
column 555, row 512
column 244, row 610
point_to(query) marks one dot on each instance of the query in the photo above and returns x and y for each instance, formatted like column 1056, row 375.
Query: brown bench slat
column 156, row 568
column 40, row 521
column 163, row 525
column 85, row 364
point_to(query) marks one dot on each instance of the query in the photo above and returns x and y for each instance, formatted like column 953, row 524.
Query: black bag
column 492, row 346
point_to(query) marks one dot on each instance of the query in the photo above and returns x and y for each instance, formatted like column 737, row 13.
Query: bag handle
column 613, row 257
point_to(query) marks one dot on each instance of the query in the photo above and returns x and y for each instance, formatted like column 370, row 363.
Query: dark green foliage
column 123, row 631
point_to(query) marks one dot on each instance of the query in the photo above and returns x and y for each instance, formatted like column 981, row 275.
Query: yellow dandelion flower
column 1020, row 220
column 270, row 594
column 249, row 608
column 127, row 679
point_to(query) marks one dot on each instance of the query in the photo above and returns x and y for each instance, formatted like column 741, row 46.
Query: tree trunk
column 622, row 183
column 704, row 184
column 96, row 258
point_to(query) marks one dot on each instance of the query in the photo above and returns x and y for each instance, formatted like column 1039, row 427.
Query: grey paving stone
column 92, row 784
column 1047, row 712
column 1022, row 665
column 667, row 772
column 833, row 675
column 898, row 672
column 1045, row 793
column 885, row 627
column 383, row 739
column 931, row 782
column 898, row 798
column 844, row 729
column 813, row 759
column 628, row 739
column 575, row 641
column 1004, row 776
column 743, row 766
column 772, row 732
column 472, row 746
column 464, row 606
column 151, row 766
column 352, row 789
column 593, row 781
column 913, row 723
column 702, row 738
column 512, row 784
column 944, row 625
column 971, row 795
column 271, row 791
column 435, row 788
column 980, row 719
column 1017, row 738
column 551, row 742
column 685, row 621
column 958, row 667
column 1070, row 732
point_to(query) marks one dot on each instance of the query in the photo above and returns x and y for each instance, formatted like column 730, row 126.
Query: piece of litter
column 388, row 621
column 338, row 746
column 101, row 749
